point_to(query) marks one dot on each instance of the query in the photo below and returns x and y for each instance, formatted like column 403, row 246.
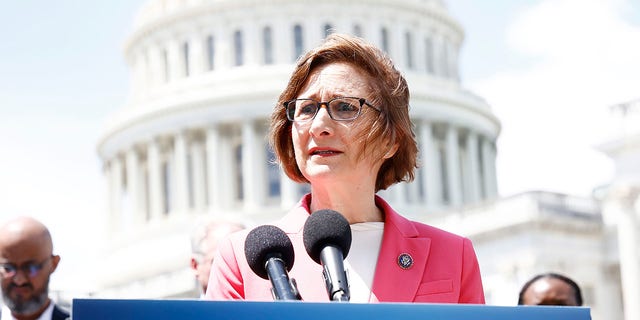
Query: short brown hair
column 392, row 126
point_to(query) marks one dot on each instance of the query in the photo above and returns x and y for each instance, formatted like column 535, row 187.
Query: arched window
column 328, row 29
column 185, row 57
column 428, row 52
column 357, row 30
column 238, row 48
column 444, row 58
column 267, row 45
column 165, row 64
column 384, row 39
column 210, row 53
column 297, row 42
column 273, row 173
column 408, row 40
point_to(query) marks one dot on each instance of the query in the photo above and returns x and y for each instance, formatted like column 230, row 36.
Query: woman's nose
column 322, row 123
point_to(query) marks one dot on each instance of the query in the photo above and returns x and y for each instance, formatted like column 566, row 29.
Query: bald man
column 26, row 263
column 550, row 289
column 204, row 242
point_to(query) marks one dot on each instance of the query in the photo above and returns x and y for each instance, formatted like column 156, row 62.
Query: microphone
column 270, row 255
column 327, row 239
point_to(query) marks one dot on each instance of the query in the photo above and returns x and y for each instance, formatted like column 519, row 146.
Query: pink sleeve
column 471, row 283
column 225, row 280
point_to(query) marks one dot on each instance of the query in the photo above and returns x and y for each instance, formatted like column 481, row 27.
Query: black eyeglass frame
column 319, row 105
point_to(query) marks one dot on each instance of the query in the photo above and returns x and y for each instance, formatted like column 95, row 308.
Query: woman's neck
column 355, row 205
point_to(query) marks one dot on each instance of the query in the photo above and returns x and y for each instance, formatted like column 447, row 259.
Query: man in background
column 204, row 243
column 550, row 289
column 26, row 263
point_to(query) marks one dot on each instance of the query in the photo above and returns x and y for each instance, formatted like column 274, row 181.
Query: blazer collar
column 395, row 280
column 400, row 239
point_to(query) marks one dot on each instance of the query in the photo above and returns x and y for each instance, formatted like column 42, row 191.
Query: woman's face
column 327, row 150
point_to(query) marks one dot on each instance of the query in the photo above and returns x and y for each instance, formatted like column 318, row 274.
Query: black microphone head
column 323, row 228
column 264, row 242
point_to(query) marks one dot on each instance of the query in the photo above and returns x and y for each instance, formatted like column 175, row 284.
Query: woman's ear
column 391, row 151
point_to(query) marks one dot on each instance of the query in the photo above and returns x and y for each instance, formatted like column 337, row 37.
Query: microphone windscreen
column 326, row 227
column 264, row 242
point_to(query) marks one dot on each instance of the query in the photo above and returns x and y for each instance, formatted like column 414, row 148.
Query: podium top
column 98, row 309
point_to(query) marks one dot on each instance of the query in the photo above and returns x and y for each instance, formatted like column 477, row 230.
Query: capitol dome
column 190, row 140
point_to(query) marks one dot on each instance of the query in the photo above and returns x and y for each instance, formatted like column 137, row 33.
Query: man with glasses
column 26, row 263
column 204, row 242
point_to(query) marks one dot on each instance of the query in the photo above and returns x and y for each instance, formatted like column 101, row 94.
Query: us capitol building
column 190, row 142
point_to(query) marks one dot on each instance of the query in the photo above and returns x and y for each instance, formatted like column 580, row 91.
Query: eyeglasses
column 339, row 109
column 9, row 270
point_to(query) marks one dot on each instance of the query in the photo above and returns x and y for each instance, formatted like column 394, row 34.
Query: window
column 239, row 174
column 185, row 56
column 238, row 48
column 273, row 173
column 357, row 30
column 328, row 29
column 267, row 45
column 443, row 60
column 190, row 182
column 210, row 53
column 409, row 49
column 297, row 41
column 428, row 50
column 165, row 64
column 384, row 39
column 166, row 188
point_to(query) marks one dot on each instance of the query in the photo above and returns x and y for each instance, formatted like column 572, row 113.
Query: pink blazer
column 444, row 269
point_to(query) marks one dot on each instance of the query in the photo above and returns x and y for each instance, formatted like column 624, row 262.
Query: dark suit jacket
column 59, row 313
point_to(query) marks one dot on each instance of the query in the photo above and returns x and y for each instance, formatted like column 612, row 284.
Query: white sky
column 549, row 69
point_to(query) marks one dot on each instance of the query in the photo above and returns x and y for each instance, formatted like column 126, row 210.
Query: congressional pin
column 405, row 261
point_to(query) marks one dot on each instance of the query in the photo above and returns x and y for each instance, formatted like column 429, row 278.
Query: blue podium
column 99, row 309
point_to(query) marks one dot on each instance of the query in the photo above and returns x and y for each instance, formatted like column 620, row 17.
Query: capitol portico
column 206, row 74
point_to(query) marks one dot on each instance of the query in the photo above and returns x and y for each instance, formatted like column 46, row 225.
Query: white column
column 397, row 46
column 474, row 167
column 282, row 41
column 413, row 192
column 155, row 180
column 198, row 54
column 252, row 45
column 430, row 166
column 174, row 64
column 116, row 193
column 493, row 182
column 629, row 246
column 181, row 186
column 398, row 194
column 453, row 166
column 253, row 166
column 488, row 169
column 214, row 183
column 223, row 48
column 134, row 194
column 288, row 191
column 198, row 172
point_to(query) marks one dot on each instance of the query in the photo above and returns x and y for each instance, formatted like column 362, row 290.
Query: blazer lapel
column 392, row 282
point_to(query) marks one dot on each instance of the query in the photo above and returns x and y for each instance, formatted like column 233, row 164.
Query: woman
column 342, row 125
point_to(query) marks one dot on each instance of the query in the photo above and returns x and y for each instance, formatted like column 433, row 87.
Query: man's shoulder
column 59, row 313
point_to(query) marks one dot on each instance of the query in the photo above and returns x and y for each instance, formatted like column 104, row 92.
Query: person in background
column 342, row 125
column 204, row 242
column 26, row 264
column 550, row 289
